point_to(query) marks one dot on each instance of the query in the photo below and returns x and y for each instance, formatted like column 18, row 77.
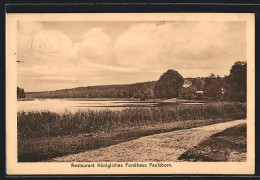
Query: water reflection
column 61, row 105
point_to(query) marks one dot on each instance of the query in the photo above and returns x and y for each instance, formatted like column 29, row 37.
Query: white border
column 14, row 168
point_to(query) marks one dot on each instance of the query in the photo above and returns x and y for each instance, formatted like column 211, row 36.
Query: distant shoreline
column 172, row 100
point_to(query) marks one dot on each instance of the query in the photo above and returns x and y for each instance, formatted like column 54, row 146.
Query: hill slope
column 137, row 90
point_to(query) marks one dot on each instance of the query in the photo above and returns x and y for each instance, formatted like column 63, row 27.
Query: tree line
column 229, row 88
column 170, row 85
column 20, row 92
column 137, row 90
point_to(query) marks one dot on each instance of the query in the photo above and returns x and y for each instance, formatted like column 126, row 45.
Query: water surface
column 61, row 105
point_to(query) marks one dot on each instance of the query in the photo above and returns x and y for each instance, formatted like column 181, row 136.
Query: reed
column 37, row 124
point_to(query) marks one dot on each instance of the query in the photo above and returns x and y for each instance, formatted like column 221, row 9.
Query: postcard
column 130, row 93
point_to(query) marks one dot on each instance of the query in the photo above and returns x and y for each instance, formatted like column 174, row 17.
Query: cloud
column 95, row 45
column 50, row 41
column 140, row 53
column 39, row 45
column 179, row 45
column 35, row 37
column 25, row 33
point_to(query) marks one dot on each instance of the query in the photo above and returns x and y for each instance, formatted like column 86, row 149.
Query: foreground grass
column 45, row 135
column 229, row 145
column 40, row 149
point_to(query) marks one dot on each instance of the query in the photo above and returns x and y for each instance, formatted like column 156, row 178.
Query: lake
column 61, row 105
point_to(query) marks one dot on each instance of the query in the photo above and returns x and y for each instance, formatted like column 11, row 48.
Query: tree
column 148, row 94
column 169, row 84
column 189, row 92
column 20, row 93
column 198, row 83
column 236, row 82
column 213, row 88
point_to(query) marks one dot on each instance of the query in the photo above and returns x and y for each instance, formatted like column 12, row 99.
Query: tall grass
column 37, row 124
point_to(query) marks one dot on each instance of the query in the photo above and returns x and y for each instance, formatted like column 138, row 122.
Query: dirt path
column 158, row 147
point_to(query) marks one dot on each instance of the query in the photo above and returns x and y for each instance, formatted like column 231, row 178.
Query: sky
column 61, row 54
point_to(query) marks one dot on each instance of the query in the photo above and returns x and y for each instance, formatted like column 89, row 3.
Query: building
column 186, row 83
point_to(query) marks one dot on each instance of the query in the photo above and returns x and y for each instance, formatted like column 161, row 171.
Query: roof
column 187, row 83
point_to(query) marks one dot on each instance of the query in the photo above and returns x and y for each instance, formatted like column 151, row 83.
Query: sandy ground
column 158, row 147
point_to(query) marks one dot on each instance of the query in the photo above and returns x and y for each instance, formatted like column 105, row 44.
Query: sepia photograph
column 130, row 93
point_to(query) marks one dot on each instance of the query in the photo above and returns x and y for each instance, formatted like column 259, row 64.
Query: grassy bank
column 38, row 124
column 229, row 145
column 42, row 149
